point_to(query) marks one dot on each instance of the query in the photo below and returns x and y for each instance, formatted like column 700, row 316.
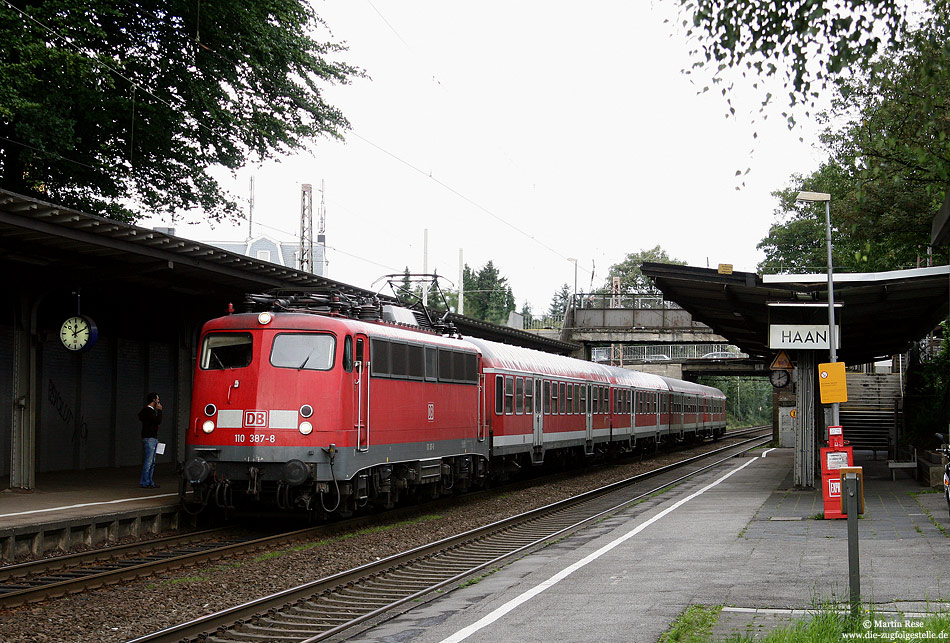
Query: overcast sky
column 527, row 133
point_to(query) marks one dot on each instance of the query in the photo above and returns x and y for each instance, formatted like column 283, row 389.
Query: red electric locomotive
column 329, row 407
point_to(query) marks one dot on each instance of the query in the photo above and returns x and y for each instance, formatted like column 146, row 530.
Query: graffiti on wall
column 65, row 412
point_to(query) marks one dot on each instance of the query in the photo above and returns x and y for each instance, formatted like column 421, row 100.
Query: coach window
column 226, row 350
column 629, row 405
column 529, row 395
column 546, row 397
column 595, row 400
column 584, row 399
column 499, row 394
column 554, row 401
column 303, row 351
column 509, row 395
column 519, row 395
column 562, row 407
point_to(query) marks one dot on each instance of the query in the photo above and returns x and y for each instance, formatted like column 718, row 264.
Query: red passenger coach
column 324, row 403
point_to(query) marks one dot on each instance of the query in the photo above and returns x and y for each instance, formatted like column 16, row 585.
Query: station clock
column 78, row 333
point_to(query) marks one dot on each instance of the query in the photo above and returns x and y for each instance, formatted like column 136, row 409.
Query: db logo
column 255, row 419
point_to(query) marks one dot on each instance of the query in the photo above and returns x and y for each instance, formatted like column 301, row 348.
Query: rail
column 324, row 608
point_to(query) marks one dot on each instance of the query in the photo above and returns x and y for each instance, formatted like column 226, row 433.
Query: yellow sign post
column 832, row 383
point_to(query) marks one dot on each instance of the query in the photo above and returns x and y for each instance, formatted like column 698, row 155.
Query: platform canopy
column 880, row 314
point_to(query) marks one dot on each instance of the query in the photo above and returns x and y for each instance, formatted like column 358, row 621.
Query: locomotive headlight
column 306, row 428
column 265, row 318
column 208, row 426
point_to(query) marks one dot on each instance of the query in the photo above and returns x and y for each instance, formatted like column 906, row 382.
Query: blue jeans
column 148, row 466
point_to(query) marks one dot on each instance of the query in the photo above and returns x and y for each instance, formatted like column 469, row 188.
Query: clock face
column 779, row 379
column 78, row 333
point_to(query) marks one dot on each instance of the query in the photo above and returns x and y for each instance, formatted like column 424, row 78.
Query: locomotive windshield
column 226, row 350
column 303, row 351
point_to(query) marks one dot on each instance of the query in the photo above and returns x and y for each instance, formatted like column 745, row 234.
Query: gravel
column 119, row 613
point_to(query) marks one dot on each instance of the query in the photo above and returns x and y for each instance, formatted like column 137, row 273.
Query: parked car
column 656, row 358
column 720, row 355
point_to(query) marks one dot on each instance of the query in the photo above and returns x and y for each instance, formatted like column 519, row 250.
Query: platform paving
column 749, row 543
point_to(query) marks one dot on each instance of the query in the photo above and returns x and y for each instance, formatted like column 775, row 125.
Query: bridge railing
column 659, row 353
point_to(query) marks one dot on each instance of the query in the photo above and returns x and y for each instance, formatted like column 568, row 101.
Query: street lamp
column 574, row 260
column 832, row 340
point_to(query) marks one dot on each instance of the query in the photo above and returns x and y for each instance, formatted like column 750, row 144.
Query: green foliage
column 559, row 301
column 103, row 104
column 748, row 399
column 816, row 39
column 927, row 396
column 632, row 280
column 487, row 294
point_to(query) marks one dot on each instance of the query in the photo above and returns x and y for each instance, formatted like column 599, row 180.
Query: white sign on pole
column 801, row 336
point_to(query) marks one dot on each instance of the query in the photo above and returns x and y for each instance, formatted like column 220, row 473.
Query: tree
column 818, row 39
column 104, row 104
column 632, row 280
column 487, row 294
column 559, row 301
column 887, row 170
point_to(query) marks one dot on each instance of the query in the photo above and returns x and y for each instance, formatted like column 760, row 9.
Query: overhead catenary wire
column 137, row 86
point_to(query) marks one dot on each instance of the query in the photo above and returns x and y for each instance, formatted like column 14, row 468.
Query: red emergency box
column 833, row 457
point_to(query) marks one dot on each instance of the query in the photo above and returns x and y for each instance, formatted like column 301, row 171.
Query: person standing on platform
column 151, row 417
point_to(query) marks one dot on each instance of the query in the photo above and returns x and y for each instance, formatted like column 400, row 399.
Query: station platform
column 740, row 536
column 69, row 509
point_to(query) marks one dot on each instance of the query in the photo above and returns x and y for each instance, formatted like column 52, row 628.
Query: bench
column 894, row 465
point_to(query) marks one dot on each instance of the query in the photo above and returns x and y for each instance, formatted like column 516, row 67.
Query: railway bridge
column 648, row 333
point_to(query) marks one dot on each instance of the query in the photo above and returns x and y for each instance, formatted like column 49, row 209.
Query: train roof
column 516, row 358
column 682, row 386
column 308, row 321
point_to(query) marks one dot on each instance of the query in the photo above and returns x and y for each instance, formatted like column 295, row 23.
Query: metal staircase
column 872, row 415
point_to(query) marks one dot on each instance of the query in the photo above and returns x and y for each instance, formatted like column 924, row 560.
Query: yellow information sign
column 725, row 269
column 832, row 383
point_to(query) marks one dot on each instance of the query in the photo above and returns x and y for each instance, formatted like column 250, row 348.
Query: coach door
column 589, row 418
column 538, row 415
column 361, row 392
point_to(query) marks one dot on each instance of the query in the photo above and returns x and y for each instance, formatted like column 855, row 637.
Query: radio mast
column 321, row 230
column 306, row 227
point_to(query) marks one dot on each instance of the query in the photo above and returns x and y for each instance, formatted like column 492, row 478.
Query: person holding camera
column 151, row 417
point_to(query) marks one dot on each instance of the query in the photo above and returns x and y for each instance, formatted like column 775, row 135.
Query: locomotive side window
column 417, row 365
column 509, row 395
column 379, row 352
column 519, row 396
column 226, row 350
column 348, row 354
column 303, row 351
column 432, row 364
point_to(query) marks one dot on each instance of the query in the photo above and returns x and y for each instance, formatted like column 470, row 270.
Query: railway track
column 325, row 608
column 74, row 573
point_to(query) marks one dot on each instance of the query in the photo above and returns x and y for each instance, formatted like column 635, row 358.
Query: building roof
column 51, row 241
column 881, row 314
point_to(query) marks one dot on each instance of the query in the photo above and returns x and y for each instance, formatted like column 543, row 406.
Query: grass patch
column 829, row 625
column 694, row 625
